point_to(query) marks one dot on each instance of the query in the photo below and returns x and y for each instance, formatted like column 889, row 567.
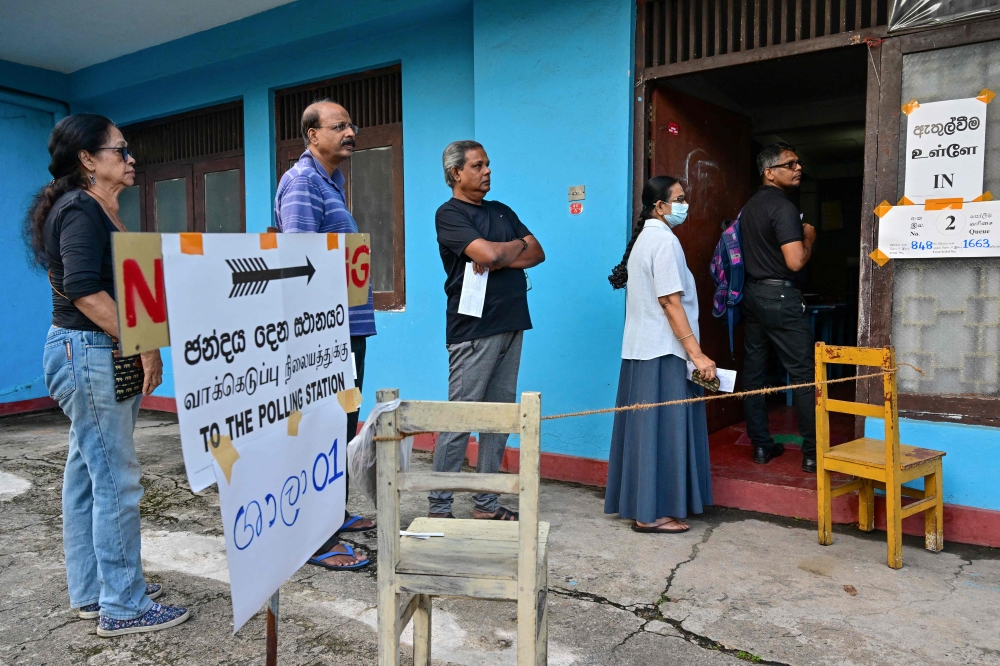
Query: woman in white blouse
column 658, row 471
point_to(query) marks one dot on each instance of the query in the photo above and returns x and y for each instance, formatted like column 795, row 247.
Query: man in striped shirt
column 310, row 199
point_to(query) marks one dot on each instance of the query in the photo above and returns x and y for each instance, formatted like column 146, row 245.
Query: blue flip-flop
column 318, row 561
column 346, row 527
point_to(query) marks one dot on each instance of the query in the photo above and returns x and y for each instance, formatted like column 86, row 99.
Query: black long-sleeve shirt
column 77, row 235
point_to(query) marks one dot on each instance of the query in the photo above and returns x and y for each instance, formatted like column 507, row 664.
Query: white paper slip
column 420, row 535
column 727, row 378
column 473, row 292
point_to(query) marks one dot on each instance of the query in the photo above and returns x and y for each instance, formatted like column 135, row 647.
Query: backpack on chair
column 727, row 273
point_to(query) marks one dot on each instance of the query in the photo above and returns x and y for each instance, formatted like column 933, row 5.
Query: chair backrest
column 413, row 416
column 881, row 357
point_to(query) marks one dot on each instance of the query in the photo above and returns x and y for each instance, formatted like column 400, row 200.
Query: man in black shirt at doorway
column 776, row 247
column 484, row 353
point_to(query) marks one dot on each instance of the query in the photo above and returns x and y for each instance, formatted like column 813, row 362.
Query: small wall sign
column 673, row 128
column 575, row 208
column 946, row 148
column 577, row 192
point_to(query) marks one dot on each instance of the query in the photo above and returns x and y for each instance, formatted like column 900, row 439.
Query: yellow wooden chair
column 475, row 559
column 876, row 463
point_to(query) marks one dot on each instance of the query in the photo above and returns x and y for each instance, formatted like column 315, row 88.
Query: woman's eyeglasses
column 122, row 150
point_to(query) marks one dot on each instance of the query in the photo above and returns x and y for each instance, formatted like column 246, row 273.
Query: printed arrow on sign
column 251, row 276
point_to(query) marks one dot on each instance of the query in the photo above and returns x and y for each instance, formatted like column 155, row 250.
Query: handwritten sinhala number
column 250, row 518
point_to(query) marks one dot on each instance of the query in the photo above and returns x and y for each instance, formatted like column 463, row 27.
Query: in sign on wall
column 944, row 211
column 946, row 148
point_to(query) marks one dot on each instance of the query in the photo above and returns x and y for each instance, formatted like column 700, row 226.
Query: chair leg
column 934, row 516
column 866, row 506
column 894, row 524
column 824, row 508
column 422, row 631
column 542, row 645
column 527, row 624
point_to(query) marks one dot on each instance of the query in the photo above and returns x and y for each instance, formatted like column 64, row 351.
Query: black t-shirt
column 77, row 236
column 769, row 220
column 505, row 307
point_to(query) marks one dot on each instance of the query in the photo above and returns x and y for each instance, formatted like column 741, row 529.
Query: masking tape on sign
column 191, row 244
column 350, row 400
column 293, row 423
column 225, row 454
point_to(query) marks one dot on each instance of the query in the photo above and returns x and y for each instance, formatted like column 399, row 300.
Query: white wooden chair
column 476, row 559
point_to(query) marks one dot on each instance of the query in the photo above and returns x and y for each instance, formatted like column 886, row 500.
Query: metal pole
column 272, row 631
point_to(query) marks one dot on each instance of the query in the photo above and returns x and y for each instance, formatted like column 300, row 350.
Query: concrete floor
column 737, row 588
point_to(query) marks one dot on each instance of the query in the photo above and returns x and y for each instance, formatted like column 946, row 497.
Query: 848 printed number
column 921, row 245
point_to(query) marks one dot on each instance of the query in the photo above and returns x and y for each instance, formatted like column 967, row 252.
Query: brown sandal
column 658, row 528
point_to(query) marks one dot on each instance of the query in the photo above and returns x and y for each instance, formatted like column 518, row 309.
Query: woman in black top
column 69, row 226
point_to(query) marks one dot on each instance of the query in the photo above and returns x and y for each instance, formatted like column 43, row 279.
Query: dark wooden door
column 708, row 148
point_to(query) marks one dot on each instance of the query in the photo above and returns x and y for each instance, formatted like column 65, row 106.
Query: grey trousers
column 480, row 370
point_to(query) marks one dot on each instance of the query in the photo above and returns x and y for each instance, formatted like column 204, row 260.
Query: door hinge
column 649, row 149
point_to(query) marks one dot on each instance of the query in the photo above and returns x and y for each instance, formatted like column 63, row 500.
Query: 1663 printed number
column 250, row 518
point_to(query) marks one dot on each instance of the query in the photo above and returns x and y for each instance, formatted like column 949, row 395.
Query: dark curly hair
column 655, row 189
column 83, row 131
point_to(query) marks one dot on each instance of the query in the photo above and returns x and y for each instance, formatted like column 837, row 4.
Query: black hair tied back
column 655, row 189
column 83, row 131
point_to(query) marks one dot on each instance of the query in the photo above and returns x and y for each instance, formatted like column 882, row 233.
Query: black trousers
column 775, row 319
column 359, row 346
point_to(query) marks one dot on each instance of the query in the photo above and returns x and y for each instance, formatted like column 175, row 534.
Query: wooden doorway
column 708, row 148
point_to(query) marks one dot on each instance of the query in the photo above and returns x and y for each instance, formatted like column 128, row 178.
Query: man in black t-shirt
column 484, row 352
column 776, row 247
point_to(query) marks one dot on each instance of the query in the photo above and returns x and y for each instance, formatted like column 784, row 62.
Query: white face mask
column 678, row 213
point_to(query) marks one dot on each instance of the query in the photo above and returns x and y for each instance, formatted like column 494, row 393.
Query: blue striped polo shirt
column 310, row 201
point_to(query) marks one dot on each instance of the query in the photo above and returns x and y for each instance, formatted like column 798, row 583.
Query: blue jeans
column 101, row 489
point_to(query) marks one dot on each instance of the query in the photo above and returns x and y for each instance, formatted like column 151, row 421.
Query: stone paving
column 737, row 588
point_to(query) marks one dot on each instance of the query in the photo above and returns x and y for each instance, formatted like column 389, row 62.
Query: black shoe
column 809, row 464
column 764, row 454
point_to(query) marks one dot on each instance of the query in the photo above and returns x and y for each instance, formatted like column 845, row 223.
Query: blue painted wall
column 972, row 454
column 553, row 94
column 25, row 304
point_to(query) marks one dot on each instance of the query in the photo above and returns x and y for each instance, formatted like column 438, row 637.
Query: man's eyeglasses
column 794, row 164
column 340, row 127
column 122, row 150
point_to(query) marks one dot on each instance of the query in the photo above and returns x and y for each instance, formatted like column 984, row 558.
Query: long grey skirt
column 659, row 463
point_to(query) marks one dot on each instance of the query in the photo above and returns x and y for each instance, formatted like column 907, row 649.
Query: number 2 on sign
column 921, row 245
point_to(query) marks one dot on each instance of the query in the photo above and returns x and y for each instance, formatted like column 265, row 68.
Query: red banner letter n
column 135, row 282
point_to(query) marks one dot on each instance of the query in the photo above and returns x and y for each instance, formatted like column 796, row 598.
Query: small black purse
column 129, row 375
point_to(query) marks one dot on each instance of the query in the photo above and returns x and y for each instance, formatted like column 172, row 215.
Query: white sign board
column 945, row 150
column 262, row 369
column 286, row 498
column 966, row 230
column 257, row 334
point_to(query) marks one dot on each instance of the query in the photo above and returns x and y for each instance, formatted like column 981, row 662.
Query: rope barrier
column 686, row 401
